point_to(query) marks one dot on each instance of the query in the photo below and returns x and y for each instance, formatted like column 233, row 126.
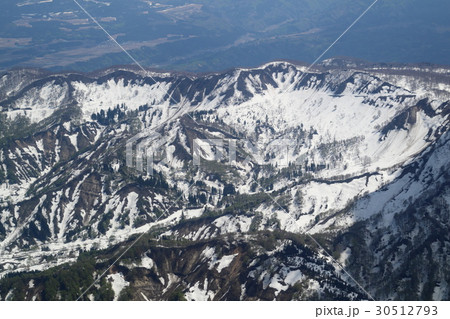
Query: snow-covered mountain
column 355, row 155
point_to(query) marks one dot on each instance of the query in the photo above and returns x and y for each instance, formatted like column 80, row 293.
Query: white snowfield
column 359, row 128
column 118, row 283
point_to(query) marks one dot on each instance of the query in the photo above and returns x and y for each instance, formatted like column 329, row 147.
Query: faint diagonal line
column 320, row 246
column 170, row 96
column 131, row 57
column 134, row 243
column 302, row 77
column 112, row 38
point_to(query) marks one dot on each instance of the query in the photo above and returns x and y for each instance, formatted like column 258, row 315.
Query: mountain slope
column 342, row 147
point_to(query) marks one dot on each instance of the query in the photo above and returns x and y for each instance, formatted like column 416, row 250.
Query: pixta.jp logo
column 142, row 151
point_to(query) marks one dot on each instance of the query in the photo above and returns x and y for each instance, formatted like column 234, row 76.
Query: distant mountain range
column 261, row 183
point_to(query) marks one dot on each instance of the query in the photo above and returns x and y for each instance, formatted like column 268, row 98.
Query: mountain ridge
column 348, row 133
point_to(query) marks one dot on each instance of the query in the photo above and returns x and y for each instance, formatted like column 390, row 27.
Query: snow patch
column 118, row 283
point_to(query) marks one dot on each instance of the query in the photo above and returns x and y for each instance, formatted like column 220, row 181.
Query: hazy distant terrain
column 215, row 35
